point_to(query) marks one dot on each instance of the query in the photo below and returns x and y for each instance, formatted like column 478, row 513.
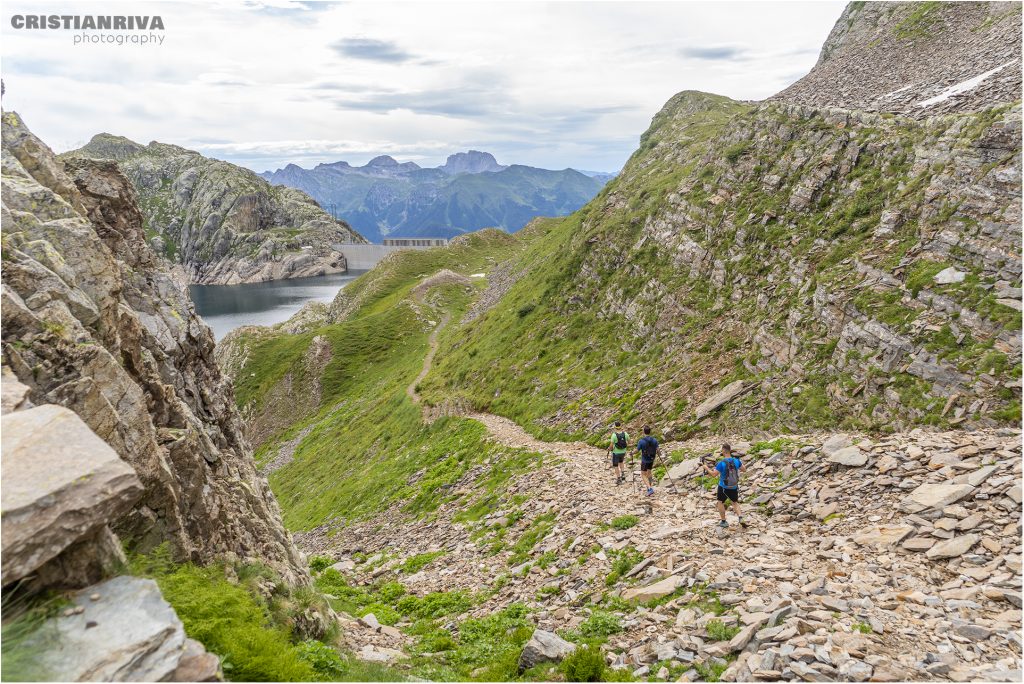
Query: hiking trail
column 816, row 571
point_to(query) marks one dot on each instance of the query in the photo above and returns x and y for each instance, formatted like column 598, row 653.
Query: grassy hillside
column 792, row 250
column 786, row 252
column 365, row 446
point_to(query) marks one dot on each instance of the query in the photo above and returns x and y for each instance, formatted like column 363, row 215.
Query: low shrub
column 719, row 631
column 624, row 522
column 585, row 664
column 601, row 623
column 320, row 563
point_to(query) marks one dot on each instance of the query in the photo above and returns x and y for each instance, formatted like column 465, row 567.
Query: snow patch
column 896, row 92
column 962, row 86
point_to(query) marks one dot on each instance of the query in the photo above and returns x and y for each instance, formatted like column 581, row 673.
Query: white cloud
column 265, row 83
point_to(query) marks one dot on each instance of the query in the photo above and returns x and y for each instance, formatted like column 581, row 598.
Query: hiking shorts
column 730, row 494
column 646, row 465
column 618, row 458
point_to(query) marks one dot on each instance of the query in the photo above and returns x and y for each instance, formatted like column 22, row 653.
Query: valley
column 408, row 479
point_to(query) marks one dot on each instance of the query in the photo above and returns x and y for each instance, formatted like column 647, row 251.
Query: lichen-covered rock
column 222, row 223
column 95, row 322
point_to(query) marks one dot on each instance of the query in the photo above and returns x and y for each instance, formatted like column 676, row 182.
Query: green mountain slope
column 784, row 254
column 791, row 251
column 222, row 223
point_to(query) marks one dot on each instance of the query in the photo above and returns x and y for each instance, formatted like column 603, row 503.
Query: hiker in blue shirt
column 728, row 471
column 648, row 448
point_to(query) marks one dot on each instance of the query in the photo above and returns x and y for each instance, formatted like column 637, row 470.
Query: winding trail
column 581, row 457
column 428, row 360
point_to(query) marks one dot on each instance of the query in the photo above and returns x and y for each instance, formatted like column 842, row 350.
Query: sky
column 267, row 83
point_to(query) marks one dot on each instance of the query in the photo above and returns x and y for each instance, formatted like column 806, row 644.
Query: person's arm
column 709, row 469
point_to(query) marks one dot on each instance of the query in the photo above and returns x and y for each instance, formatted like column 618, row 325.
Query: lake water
column 226, row 307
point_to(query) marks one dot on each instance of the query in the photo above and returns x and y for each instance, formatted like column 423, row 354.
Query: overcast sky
column 262, row 84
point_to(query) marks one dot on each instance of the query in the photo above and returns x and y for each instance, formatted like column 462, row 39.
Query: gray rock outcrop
column 95, row 322
column 544, row 647
column 120, row 630
column 61, row 484
column 918, row 59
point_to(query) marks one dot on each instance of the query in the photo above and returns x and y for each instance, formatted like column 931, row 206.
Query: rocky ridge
column 224, row 224
column 917, row 59
column 840, row 264
column 904, row 565
column 95, row 322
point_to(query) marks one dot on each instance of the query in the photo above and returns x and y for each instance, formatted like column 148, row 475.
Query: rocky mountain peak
column 473, row 161
column 383, row 160
column 109, row 146
column 917, row 59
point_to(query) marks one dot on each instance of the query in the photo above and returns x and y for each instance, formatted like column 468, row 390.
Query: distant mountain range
column 470, row 191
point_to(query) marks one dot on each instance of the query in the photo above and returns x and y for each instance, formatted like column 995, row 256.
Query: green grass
column 624, row 522
column 919, row 22
column 414, row 564
column 252, row 635
column 862, row 627
column 622, row 562
column 23, row 637
column 719, row 631
column 596, row 629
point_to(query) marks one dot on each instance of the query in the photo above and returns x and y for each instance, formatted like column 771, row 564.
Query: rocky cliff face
column 917, row 58
column 222, row 223
column 95, row 322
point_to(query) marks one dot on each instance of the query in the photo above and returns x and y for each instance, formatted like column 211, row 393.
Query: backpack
column 620, row 440
column 732, row 474
column 648, row 447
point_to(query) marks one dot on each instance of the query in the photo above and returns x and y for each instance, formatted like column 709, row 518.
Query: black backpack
column 620, row 440
column 732, row 474
column 649, row 448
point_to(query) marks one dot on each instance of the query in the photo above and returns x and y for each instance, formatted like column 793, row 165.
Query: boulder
column 835, row 443
column 685, row 468
column 544, row 647
column 653, row 591
column 60, row 483
column 727, row 394
column 848, row 456
column 129, row 633
column 883, row 535
column 952, row 548
column 949, row 276
column 14, row 394
column 937, row 495
column 196, row 665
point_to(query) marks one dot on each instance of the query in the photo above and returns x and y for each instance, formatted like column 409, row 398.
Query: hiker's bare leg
column 736, row 509
column 721, row 510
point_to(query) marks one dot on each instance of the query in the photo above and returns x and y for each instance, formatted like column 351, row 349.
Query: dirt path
column 428, row 360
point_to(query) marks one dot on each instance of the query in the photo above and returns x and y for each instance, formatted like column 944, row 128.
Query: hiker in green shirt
column 618, row 445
